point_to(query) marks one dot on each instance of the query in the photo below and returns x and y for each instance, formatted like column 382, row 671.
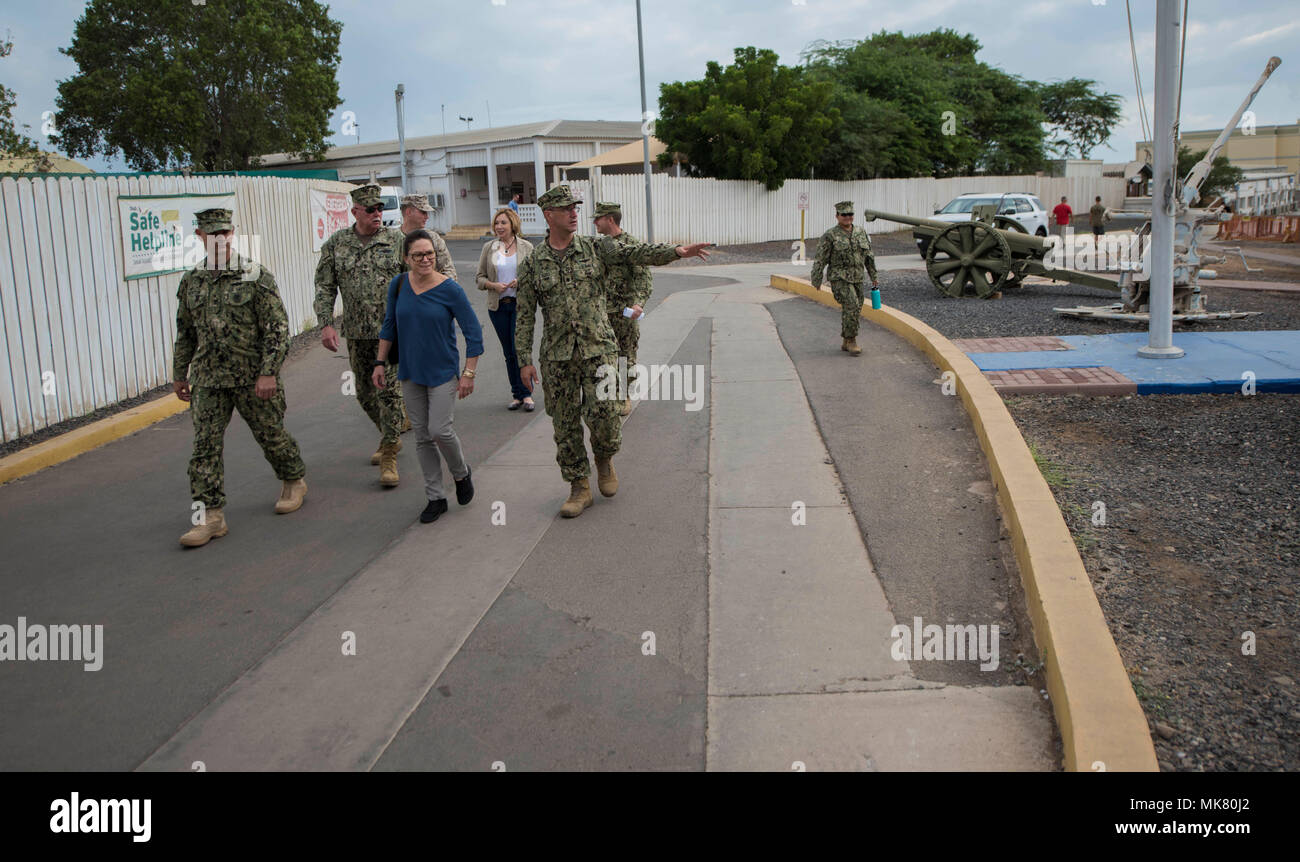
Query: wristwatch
column 379, row 362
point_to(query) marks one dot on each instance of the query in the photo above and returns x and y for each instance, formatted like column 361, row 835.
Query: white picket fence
column 75, row 335
column 733, row 211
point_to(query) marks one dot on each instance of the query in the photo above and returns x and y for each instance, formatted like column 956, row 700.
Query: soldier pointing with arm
column 232, row 335
column 846, row 250
column 629, row 286
column 566, row 276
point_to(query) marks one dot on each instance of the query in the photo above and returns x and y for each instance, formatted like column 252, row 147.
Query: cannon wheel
column 968, row 254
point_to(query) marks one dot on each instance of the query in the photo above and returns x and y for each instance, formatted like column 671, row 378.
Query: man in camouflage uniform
column 232, row 335
column 629, row 286
column 567, row 276
column 359, row 262
column 415, row 215
column 846, row 249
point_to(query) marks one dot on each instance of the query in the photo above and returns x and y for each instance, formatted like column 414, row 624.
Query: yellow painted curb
column 1102, row 725
column 87, row 437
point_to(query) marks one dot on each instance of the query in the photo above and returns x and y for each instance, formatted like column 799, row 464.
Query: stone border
column 1102, row 725
column 67, row 446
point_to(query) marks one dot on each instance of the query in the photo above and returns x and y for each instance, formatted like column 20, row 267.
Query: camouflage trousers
column 570, row 388
column 383, row 406
column 627, row 333
column 211, row 409
column 849, row 295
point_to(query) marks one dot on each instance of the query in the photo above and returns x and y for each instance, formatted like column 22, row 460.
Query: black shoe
column 433, row 510
column 464, row 490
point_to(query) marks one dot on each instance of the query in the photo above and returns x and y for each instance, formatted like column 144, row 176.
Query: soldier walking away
column 232, row 335
column 846, row 250
column 359, row 262
column 565, row 276
column 415, row 215
column 629, row 287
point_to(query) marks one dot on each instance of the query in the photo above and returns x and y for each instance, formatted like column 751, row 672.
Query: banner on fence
column 330, row 211
column 155, row 231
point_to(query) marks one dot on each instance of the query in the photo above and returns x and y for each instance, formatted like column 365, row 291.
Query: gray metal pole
column 1160, row 338
column 401, row 134
column 645, row 134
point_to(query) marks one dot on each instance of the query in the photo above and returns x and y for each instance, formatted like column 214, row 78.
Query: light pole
column 467, row 121
column 645, row 131
column 401, row 133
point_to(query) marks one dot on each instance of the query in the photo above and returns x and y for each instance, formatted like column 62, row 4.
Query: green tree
column 1221, row 178
column 1079, row 117
column 753, row 120
column 13, row 143
column 924, row 105
column 170, row 84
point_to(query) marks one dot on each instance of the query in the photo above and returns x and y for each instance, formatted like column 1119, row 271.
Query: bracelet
column 468, row 372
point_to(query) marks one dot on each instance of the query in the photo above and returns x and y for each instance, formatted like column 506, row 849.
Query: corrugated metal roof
column 614, row 129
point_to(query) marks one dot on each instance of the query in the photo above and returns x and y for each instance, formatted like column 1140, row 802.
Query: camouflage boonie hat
column 420, row 202
column 604, row 208
column 213, row 220
column 560, row 196
column 844, row 208
column 367, row 195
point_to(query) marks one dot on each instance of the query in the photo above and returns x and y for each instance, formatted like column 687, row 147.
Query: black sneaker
column 433, row 510
column 464, row 490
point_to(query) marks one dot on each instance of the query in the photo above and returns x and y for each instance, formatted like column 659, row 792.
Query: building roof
column 628, row 154
column 582, row 129
column 56, row 165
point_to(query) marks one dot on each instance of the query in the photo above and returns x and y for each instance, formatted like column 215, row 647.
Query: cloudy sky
column 530, row 60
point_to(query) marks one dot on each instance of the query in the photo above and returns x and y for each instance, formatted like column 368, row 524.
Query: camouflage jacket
column 361, row 273
column 846, row 254
column 442, row 256
column 572, row 293
column 231, row 326
column 629, row 283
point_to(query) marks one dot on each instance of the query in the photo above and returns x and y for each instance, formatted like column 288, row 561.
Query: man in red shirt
column 1063, row 213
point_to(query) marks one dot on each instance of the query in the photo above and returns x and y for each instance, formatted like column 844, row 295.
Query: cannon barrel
column 1021, row 242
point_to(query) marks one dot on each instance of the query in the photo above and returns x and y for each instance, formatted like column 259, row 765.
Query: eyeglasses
column 423, row 255
column 847, row 215
column 377, row 208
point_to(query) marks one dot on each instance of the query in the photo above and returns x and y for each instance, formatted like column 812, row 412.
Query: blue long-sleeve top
column 425, row 323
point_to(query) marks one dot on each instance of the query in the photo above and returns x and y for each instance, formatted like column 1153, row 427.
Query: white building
column 454, row 169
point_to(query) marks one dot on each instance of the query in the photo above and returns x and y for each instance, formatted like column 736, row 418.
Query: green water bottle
column 875, row 298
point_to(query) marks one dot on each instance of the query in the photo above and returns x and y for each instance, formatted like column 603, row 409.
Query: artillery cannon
column 976, row 256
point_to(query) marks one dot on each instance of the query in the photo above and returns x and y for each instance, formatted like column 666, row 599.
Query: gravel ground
column 1199, row 547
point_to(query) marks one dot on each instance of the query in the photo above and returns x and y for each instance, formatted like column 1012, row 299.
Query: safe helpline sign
column 155, row 231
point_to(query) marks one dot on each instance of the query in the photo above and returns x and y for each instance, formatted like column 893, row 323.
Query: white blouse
column 507, row 267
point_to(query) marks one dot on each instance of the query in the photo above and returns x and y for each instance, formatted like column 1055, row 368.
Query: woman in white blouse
column 497, row 265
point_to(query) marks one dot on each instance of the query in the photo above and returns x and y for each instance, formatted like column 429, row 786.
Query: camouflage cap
column 367, row 195
column 420, row 202
column 604, row 208
column 560, row 196
column 213, row 220
column 844, row 208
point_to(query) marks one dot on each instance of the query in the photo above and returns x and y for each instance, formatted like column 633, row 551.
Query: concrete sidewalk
column 503, row 634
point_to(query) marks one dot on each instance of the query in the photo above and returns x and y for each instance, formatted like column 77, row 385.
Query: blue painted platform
column 1214, row 361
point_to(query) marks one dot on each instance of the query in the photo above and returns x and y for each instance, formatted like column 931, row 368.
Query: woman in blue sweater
column 423, row 309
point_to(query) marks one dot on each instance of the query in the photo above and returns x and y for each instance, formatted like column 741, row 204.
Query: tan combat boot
column 579, row 499
column 213, row 527
column 851, row 345
column 388, row 466
column 291, row 496
column 606, row 478
column 844, row 344
column 379, row 453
